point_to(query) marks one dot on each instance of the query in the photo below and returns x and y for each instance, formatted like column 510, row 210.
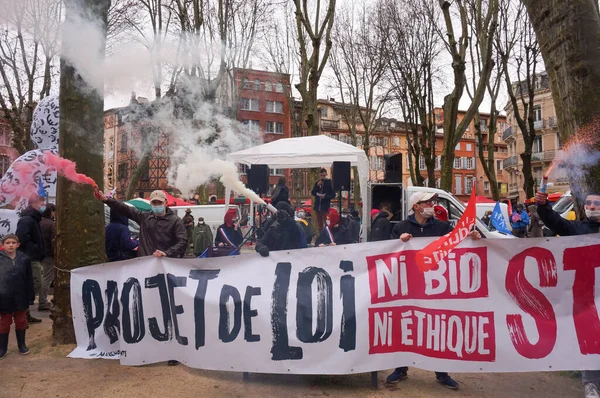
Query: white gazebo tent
column 307, row 152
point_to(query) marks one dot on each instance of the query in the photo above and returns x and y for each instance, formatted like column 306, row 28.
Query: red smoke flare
column 66, row 168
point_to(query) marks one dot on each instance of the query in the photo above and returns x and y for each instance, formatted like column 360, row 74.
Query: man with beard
column 284, row 234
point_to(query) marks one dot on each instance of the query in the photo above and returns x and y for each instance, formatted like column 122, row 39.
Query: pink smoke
column 66, row 168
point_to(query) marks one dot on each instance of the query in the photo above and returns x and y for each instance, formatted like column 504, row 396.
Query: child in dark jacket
column 16, row 293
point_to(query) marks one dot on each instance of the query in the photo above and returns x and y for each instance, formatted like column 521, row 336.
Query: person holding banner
column 562, row 227
column 285, row 234
column 336, row 231
column 422, row 223
column 229, row 233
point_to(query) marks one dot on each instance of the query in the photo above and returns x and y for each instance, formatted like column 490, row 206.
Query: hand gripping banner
column 502, row 305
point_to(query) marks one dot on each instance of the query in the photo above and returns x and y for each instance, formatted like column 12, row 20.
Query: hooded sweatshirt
column 119, row 245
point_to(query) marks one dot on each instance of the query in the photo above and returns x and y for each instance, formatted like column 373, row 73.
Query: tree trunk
column 142, row 167
column 568, row 33
column 79, row 217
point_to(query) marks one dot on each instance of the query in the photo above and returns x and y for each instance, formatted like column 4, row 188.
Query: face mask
column 301, row 214
column 200, row 222
column 42, row 208
column 427, row 212
column 327, row 222
column 592, row 214
column 158, row 209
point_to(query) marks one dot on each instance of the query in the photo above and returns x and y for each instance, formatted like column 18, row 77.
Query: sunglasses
column 595, row 202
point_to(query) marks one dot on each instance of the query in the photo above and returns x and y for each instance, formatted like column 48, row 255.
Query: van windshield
column 563, row 204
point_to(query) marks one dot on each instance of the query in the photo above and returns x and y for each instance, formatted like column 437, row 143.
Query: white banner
column 491, row 306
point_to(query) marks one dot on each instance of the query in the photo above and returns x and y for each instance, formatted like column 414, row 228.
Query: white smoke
column 574, row 164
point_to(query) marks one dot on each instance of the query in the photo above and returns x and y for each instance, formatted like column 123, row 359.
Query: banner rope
column 62, row 269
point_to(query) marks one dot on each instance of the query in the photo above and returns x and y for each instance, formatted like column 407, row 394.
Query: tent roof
column 300, row 152
column 173, row 201
column 483, row 199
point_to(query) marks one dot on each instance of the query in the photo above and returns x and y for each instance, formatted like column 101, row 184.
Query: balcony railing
column 545, row 156
column 552, row 121
column 513, row 187
column 330, row 124
column 510, row 162
column 539, row 124
column 507, row 133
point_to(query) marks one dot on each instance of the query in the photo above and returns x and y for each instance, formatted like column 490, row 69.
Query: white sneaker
column 591, row 391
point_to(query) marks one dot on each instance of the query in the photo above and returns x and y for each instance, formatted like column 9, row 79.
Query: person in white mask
column 563, row 227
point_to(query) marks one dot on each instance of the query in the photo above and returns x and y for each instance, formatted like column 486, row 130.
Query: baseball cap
column 158, row 195
column 418, row 197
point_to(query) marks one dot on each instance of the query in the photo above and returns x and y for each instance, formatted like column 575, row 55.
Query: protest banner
column 490, row 306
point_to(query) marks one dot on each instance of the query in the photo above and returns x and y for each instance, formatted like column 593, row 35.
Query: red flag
column 509, row 208
column 436, row 251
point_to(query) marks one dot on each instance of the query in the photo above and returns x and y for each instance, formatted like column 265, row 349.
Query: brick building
column 545, row 147
column 263, row 102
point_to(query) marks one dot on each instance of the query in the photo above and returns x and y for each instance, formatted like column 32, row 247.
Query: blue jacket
column 523, row 223
column 119, row 245
column 563, row 227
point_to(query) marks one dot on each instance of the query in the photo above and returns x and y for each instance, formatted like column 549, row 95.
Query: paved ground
column 46, row 372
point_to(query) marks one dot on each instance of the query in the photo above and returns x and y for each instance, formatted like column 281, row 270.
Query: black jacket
column 563, row 227
column 286, row 236
column 119, row 245
column 381, row 228
column 16, row 283
column 322, row 205
column 341, row 234
column 165, row 233
column 235, row 236
column 30, row 235
column 354, row 228
column 432, row 227
column 280, row 194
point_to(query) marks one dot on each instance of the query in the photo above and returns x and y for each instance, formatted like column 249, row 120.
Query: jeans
column 591, row 376
column 48, row 274
column 20, row 321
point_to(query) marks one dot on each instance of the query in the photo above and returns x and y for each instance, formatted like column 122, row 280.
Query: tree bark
column 568, row 33
column 79, row 217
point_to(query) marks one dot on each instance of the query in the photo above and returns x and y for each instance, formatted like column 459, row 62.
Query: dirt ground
column 46, row 372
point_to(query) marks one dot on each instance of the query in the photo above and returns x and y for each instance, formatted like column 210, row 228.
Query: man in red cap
column 336, row 231
column 229, row 233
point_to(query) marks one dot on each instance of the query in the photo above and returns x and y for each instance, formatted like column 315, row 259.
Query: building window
column 458, row 184
column 256, row 84
column 438, row 162
column 124, row 142
column 469, row 147
column 253, row 126
column 122, row 171
column 268, row 86
column 468, row 185
column 376, row 162
column 537, row 112
column 422, row 163
column 243, row 169
column 276, row 172
column 458, row 163
column 537, row 144
column 486, row 186
column 558, row 141
column 323, row 111
column 498, row 165
column 457, row 147
column 396, row 141
column 249, row 104
column 4, row 164
column 274, row 107
column 469, row 163
column 274, row 127
column 246, row 83
column 279, row 87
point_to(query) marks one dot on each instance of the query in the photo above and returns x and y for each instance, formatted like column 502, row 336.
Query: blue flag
column 498, row 220
column 41, row 191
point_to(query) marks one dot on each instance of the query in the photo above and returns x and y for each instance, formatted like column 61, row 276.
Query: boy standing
column 16, row 293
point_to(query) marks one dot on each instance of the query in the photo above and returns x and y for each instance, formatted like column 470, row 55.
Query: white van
column 379, row 192
column 213, row 214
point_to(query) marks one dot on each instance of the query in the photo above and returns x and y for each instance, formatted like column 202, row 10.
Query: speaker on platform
column 258, row 178
column 340, row 174
column 393, row 168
